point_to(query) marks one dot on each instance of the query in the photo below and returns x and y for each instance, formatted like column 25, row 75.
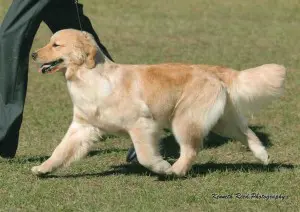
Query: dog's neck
column 73, row 71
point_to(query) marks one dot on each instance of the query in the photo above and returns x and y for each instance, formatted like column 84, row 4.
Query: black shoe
column 7, row 155
column 8, row 151
column 131, row 156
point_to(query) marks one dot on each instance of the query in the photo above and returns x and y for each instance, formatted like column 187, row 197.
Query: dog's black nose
column 34, row 55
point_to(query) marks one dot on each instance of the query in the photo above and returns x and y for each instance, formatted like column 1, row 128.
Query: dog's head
column 66, row 48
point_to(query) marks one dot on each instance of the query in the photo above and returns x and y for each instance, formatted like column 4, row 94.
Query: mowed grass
column 239, row 34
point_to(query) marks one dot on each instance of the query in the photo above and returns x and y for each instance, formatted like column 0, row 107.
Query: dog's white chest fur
column 90, row 91
column 97, row 100
column 91, row 97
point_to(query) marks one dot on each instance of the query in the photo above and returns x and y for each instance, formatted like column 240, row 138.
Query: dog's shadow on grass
column 197, row 169
column 105, row 151
column 201, row 169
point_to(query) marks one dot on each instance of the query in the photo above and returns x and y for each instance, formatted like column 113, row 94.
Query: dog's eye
column 55, row 45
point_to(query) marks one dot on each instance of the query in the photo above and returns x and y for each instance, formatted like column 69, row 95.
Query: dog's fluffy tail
column 254, row 88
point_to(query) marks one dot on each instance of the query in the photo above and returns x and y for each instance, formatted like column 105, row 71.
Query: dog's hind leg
column 257, row 147
column 75, row 145
column 145, row 135
column 234, row 125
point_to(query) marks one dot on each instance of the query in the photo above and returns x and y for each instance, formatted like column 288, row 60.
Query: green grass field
column 235, row 33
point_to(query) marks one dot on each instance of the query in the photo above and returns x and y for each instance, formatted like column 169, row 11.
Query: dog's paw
column 38, row 171
column 178, row 170
column 176, row 173
column 161, row 167
column 267, row 161
column 263, row 156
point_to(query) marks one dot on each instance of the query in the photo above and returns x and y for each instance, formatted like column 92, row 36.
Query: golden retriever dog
column 142, row 100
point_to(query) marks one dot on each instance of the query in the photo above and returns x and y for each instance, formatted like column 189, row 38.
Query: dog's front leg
column 75, row 145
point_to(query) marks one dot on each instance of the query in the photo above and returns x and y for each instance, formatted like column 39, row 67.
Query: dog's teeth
column 47, row 67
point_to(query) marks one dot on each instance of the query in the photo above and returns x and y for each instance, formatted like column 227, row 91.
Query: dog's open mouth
column 50, row 67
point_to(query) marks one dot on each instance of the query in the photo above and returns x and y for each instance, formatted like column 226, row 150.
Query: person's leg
column 63, row 15
column 16, row 36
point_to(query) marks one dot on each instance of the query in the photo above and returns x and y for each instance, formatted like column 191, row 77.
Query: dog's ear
column 91, row 52
column 90, row 48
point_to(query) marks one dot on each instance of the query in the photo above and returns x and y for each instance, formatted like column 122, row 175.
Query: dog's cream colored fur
column 141, row 100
